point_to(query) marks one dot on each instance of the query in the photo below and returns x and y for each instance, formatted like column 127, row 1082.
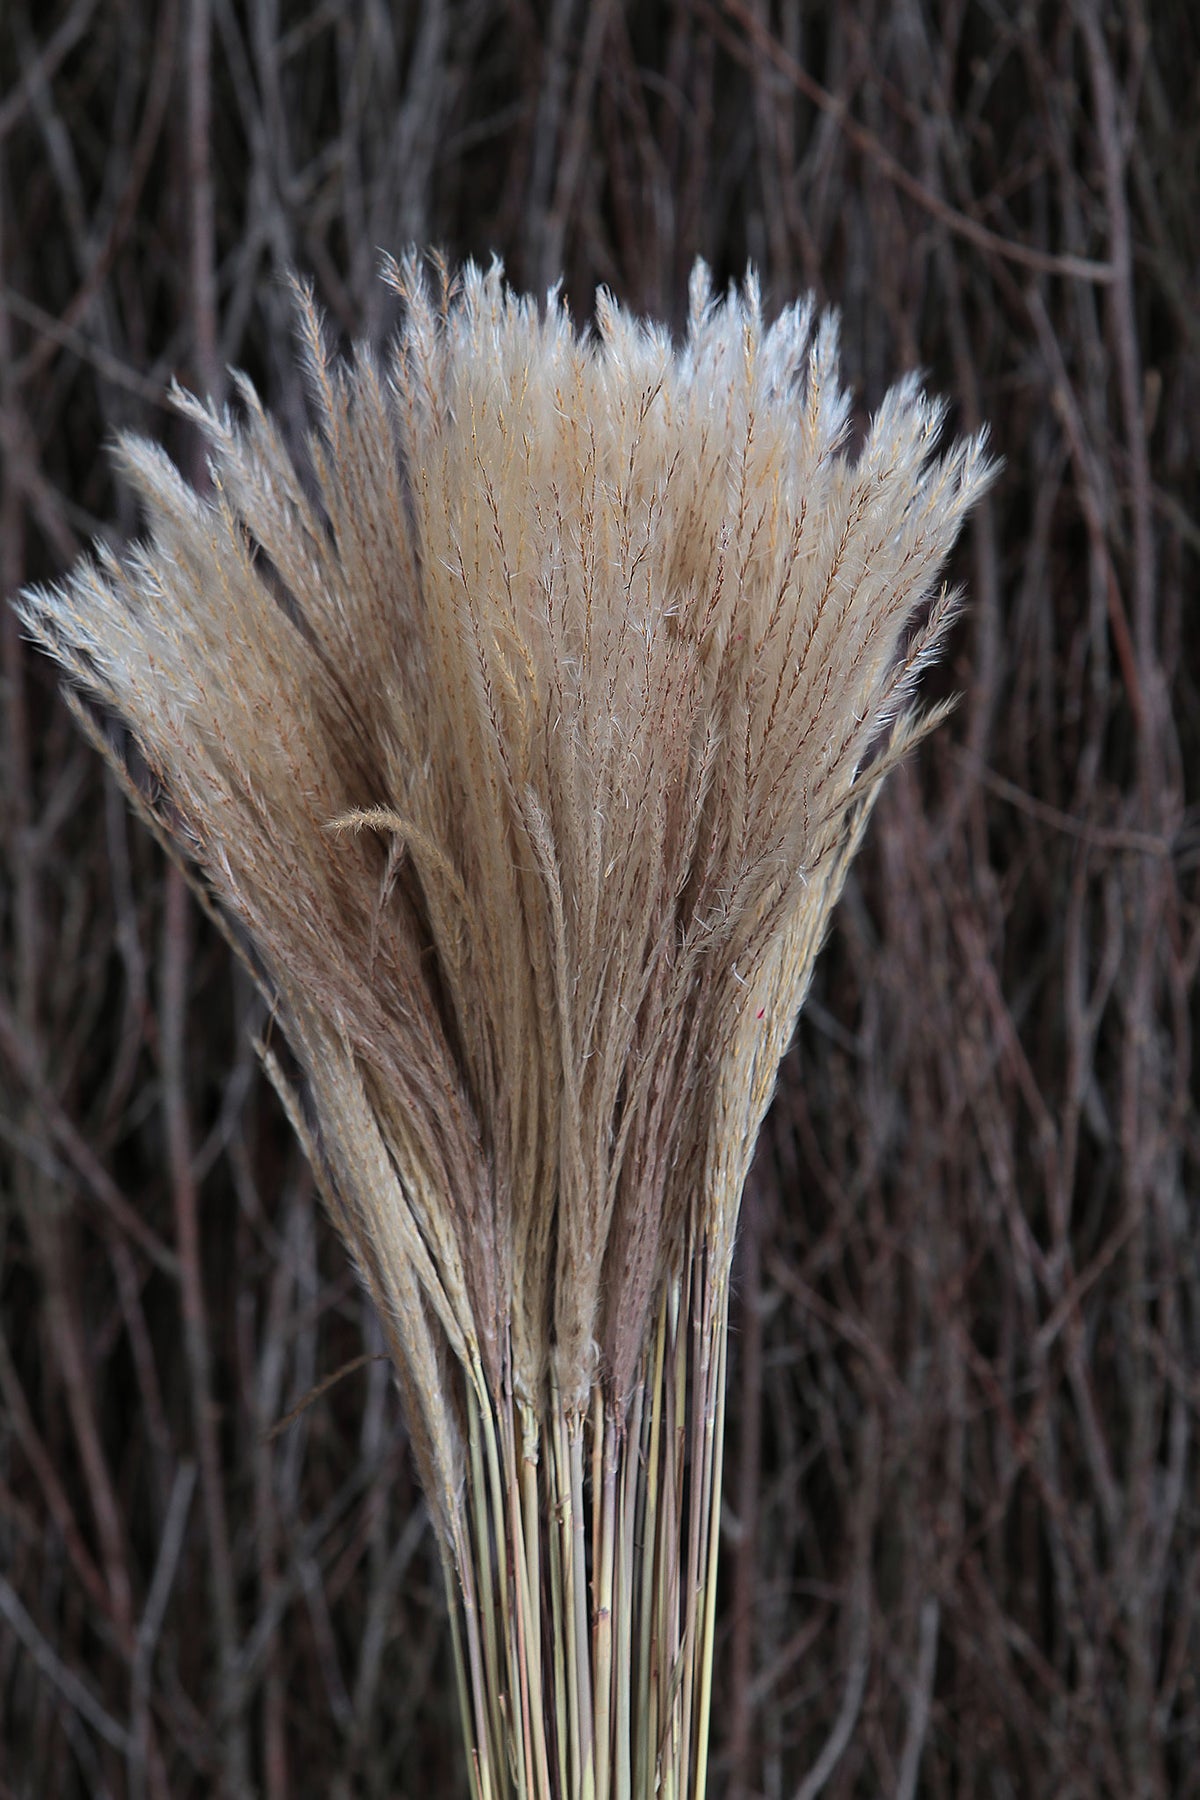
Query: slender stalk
column 600, row 1687
column 483, row 1610
column 522, row 1635
column 564, row 1510
column 695, row 1520
column 587, row 1727
column 479, row 1738
column 467, row 1690
column 558, row 1635
column 531, row 1541
column 631, row 1469
column 650, row 1611
column 720, row 1335
column 605, row 1508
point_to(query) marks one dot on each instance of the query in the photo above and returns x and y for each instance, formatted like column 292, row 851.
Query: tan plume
column 523, row 737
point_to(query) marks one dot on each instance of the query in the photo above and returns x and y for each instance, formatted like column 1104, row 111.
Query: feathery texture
column 523, row 739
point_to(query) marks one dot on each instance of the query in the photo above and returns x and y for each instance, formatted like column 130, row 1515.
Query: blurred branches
column 961, row 1518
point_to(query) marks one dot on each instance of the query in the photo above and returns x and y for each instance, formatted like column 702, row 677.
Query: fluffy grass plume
column 522, row 738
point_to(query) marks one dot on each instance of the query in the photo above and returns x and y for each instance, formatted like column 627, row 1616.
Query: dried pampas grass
column 523, row 740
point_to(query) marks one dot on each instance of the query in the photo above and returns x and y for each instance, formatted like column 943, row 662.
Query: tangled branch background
column 959, row 1530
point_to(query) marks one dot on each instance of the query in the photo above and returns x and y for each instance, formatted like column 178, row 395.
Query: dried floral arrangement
column 521, row 741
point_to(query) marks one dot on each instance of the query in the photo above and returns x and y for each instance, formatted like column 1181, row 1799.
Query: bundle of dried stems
column 523, row 741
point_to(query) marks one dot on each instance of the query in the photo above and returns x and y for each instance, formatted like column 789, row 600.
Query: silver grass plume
column 522, row 742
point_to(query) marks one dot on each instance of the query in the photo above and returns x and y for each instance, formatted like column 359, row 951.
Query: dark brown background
column 962, row 1502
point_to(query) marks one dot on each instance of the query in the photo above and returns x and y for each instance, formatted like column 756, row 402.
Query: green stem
column 586, row 1557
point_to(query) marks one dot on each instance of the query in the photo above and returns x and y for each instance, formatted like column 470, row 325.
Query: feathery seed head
column 526, row 739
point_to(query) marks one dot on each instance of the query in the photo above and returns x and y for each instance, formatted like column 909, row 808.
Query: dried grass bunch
column 523, row 741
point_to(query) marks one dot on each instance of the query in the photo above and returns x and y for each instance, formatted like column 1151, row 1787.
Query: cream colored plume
column 522, row 734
